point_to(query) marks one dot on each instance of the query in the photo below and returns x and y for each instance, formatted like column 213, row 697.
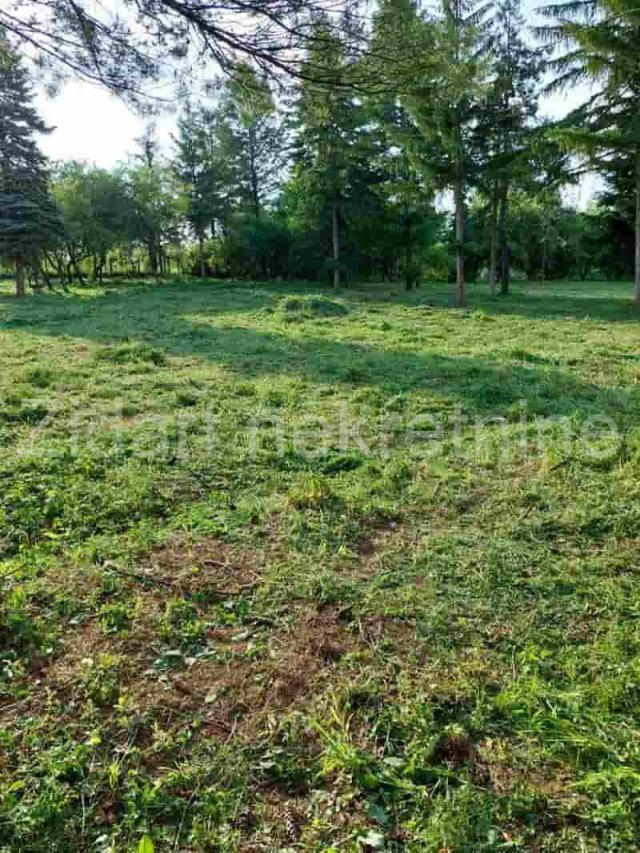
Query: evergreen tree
column 157, row 199
column 441, row 94
column 505, row 126
column 251, row 138
column 328, row 121
column 603, row 38
column 200, row 165
column 29, row 220
column 157, row 202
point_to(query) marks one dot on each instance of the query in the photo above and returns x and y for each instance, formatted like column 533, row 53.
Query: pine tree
column 29, row 220
column 603, row 39
column 327, row 120
column 441, row 96
column 157, row 201
column 505, row 127
column 251, row 138
column 199, row 164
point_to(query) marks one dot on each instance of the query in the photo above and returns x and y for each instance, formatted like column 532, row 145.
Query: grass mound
column 131, row 353
column 303, row 307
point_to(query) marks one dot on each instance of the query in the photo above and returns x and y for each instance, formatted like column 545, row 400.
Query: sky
column 93, row 125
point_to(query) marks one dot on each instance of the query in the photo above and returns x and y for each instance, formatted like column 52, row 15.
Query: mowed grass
column 265, row 588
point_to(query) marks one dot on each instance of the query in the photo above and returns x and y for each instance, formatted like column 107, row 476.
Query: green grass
column 227, row 625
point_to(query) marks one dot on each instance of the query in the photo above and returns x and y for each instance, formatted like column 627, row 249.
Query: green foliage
column 96, row 209
column 601, row 46
column 29, row 220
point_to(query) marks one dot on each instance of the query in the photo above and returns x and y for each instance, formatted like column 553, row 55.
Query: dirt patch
column 236, row 697
column 209, row 566
column 250, row 671
column 501, row 765
column 455, row 751
column 209, row 571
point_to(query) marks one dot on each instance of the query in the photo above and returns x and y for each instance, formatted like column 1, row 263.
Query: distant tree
column 158, row 203
column 29, row 219
column 96, row 208
column 251, row 139
column 441, row 96
column 602, row 39
column 505, row 126
column 406, row 179
column 199, row 164
column 327, row 121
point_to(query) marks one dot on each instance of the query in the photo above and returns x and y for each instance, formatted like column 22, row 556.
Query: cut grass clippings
column 226, row 624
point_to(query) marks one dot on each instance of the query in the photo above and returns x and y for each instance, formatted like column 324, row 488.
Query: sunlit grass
column 228, row 624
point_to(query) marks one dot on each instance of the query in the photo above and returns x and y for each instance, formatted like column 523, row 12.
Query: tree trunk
column 505, row 259
column 543, row 272
column 203, row 270
column 637, row 231
column 153, row 256
column 255, row 182
column 20, row 288
column 460, row 299
column 336, row 243
column 493, row 241
column 408, row 260
column 73, row 264
column 45, row 275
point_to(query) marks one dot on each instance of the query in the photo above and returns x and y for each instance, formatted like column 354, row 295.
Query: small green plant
column 132, row 353
column 311, row 492
column 116, row 617
column 181, row 624
column 101, row 678
column 40, row 376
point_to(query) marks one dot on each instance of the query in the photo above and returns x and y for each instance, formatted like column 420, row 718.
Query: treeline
column 423, row 156
column 139, row 219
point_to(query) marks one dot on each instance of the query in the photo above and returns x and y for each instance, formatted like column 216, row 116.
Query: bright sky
column 91, row 124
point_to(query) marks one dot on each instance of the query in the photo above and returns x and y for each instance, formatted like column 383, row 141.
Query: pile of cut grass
column 305, row 307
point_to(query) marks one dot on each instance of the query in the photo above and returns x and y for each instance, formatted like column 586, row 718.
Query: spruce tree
column 29, row 221
column 441, row 96
column 505, row 128
column 200, row 165
column 251, row 137
column 328, row 120
column 603, row 41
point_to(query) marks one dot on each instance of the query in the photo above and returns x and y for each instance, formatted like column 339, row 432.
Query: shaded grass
column 229, row 643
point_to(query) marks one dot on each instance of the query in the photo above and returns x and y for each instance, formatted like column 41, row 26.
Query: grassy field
column 288, row 570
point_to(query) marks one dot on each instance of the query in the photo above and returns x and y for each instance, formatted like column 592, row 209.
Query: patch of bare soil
column 210, row 566
column 286, row 822
column 250, row 676
column 235, row 698
column 499, row 764
column 211, row 569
